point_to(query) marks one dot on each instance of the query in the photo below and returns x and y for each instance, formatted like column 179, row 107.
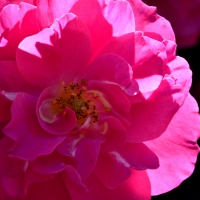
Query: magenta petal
column 5, row 107
column 115, row 134
column 64, row 49
column 120, row 107
column 30, row 176
column 151, row 118
column 84, row 149
column 12, row 81
column 137, row 187
column 73, row 180
column 31, row 140
column 87, row 152
column 59, row 124
column 111, row 170
column 176, row 149
column 53, row 189
column 48, row 164
column 11, row 169
column 139, row 156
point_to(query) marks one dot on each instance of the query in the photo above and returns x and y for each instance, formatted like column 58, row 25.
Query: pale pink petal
column 151, row 117
column 112, row 170
column 31, row 140
column 176, row 149
column 137, row 187
column 61, row 51
column 180, row 71
column 120, row 15
column 147, row 20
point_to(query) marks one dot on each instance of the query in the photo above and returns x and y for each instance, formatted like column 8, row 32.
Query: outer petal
column 31, row 140
column 151, row 117
column 147, row 20
column 176, row 148
column 137, row 187
column 61, row 51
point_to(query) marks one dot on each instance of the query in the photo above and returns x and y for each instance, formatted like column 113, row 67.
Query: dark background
column 190, row 188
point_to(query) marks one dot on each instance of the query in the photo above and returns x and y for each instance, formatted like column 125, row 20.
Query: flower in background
column 93, row 100
column 184, row 17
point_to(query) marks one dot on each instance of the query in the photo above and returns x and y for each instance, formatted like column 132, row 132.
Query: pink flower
column 94, row 102
column 184, row 17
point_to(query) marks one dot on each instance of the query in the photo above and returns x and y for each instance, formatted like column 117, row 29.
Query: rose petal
column 31, row 140
column 176, row 149
column 136, row 187
column 151, row 117
column 112, row 170
column 57, row 124
column 139, row 156
column 48, row 44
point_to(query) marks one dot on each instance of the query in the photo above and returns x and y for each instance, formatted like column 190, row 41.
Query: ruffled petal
column 54, row 123
column 151, row 117
column 31, row 140
column 112, row 69
column 61, row 51
column 147, row 20
column 176, row 149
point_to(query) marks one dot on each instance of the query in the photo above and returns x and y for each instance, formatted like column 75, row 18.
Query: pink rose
column 94, row 102
column 184, row 17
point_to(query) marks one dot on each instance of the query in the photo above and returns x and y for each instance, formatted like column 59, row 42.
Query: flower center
column 85, row 103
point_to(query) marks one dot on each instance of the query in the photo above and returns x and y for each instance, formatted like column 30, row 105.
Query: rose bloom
column 184, row 16
column 94, row 102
